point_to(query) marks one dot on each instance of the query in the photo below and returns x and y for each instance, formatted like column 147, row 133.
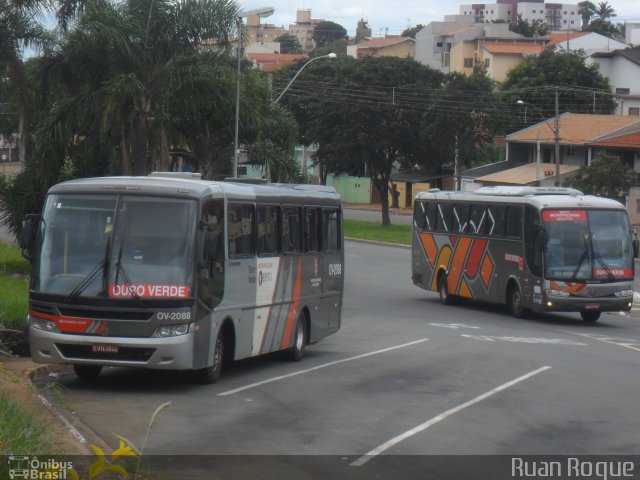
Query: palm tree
column 605, row 11
column 119, row 63
column 586, row 10
column 20, row 31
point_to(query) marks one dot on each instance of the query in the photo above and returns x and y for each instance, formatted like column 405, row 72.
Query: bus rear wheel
column 515, row 302
column 443, row 290
column 211, row 374
column 590, row 316
column 87, row 372
column 296, row 352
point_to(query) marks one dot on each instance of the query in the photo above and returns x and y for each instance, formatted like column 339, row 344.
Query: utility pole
column 557, row 139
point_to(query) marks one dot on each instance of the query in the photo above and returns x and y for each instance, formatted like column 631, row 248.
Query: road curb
column 375, row 242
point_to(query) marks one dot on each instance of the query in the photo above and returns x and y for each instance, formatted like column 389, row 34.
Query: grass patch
column 14, row 285
column 20, row 431
column 374, row 231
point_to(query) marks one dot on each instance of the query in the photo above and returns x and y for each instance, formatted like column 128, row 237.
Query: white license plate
column 592, row 306
column 102, row 348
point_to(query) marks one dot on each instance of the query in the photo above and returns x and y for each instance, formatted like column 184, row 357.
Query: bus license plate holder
column 105, row 348
column 592, row 306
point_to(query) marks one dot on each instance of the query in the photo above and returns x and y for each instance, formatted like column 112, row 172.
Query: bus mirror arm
column 27, row 238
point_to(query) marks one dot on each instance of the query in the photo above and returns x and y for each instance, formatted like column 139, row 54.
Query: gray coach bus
column 174, row 272
column 532, row 248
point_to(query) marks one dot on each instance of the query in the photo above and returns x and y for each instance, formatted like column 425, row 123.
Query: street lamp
column 328, row 55
column 259, row 12
column 556, row 133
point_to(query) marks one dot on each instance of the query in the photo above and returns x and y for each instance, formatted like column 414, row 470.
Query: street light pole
column 328, row 55
column 555, row 129
column 259, row 12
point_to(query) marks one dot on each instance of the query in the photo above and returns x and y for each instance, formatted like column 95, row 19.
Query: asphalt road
column 404, row 376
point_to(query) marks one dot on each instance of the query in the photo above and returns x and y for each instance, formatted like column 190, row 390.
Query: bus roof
column 192, row 186
column 540, row 197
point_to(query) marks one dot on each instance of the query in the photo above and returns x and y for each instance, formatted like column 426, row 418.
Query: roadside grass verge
column 14, row 285
column 375, row 232
column 20, row 431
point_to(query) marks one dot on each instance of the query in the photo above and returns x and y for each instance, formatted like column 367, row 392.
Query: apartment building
column 558, row 16
column 303, row 29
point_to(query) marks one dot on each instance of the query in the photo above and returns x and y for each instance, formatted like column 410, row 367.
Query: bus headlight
column 173, row 330
column 42, row 324
column 624, row 293
column 556, row 293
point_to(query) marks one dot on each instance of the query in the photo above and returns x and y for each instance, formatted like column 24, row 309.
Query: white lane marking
column 545, row 341
column 318, row 367
column 620, row 342
column 63, row 419
column 409, row 433
column 454, row 326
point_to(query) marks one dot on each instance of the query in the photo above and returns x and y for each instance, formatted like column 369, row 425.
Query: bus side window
column 513, row 222
column 290, row 230
column 312, row 230
column 443, row 223
column 430, row 216
column 461, row 218
column 533, row 240
column 494, row 224
column 240, row 230
column 477, row 216
column 331, row 230
column 267, row 230
column 420, row 215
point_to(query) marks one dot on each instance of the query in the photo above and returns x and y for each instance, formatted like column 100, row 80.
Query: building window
column 439, row 44
column 635, row 111
column 468, row 63
column 622, row 91
column 487, row 62
column 533, row 11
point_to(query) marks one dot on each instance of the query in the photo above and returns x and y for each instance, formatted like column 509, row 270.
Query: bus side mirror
column 541, row 239
column 27, row 239
column 636, row 247
column 210, row 246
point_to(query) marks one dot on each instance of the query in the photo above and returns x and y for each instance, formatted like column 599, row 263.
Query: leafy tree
column 289, row 44
column 365, row 115
column 537, row 28
column 604, row 27
column 586, row 10
column 328, row 32
column 463, row 118
column 607, row 176
column 582, row 88
column 412, row 31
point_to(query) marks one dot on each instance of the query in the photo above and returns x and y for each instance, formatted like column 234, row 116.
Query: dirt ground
column 15, row 382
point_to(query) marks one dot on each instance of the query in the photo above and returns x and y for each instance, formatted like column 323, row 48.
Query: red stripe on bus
column 65, row 324
column 293, row 308
column 473, row 262
column 430, row 247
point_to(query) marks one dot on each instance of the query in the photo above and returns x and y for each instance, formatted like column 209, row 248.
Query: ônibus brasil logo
column 33, row 468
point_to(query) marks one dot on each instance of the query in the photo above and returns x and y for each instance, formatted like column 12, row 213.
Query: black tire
column 443, row 290
column 211, row 374
column 515, row 303
column 87, row 372
column 590, row 316
column 296, row 352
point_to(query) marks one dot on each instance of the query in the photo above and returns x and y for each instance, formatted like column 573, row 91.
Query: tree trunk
column 165, row 161
column 139, row 144
column 383, row 187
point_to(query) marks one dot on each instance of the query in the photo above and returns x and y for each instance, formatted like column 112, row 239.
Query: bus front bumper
column 169, row 353
column 577, row 304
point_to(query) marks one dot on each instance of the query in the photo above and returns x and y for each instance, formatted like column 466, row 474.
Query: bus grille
column 84, row 352
column 105, row 314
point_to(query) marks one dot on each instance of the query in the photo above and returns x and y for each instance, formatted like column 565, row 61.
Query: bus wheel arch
column 443, row 288
column 224, row 348
column 300, row 336
column 514, row 299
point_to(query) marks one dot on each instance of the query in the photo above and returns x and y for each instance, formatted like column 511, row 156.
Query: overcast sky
column 389, row 16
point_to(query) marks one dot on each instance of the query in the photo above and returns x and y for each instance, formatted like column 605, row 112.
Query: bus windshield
column 587, row 245
column 116, row 246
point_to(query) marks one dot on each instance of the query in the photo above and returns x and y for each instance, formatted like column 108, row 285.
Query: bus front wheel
column 211, row 374
column 296, row 352
column 515, row 302
column 87, row 372
column 590, row 316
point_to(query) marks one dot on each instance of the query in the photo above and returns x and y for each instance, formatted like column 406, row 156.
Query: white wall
column 591, row 43
column 621, row 73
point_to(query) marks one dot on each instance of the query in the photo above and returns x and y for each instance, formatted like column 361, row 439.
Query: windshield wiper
column 605, row 267
column 120, row 272
column 583, row 257
column 90, row 276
